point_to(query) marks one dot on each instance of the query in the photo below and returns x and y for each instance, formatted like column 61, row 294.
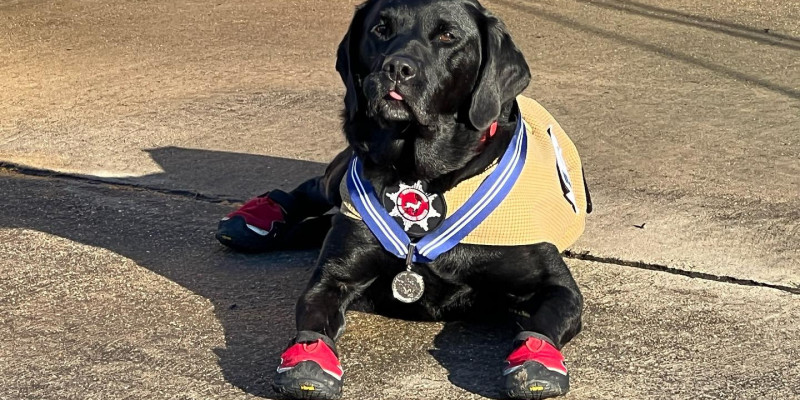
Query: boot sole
column 533, row 382
column 307, row 380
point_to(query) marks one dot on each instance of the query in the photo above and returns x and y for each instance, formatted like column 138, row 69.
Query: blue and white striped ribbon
column 491, row 192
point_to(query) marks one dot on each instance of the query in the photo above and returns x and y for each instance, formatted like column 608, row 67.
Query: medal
column 416, row 210
column 408, row 285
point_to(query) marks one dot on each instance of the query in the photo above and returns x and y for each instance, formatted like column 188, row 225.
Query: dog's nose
column 399, row 68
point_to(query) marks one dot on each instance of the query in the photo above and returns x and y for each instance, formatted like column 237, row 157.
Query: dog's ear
column 344, row 60
column 503, row 75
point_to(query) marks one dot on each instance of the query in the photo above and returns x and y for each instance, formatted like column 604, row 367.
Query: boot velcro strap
column 520, row 338
column 311, row 336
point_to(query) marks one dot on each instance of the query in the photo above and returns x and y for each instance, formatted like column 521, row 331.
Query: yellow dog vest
column 543, row 206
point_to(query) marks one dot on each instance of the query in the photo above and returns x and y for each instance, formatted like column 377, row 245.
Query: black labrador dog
column 440, row 195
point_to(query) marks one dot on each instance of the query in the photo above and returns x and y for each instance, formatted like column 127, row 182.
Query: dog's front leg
column 321, row 308
column 549, row 313
column 555, row 309
column 310, row 367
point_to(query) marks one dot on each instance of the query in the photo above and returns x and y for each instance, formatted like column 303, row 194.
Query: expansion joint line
column 118, row 182
column 675, row 271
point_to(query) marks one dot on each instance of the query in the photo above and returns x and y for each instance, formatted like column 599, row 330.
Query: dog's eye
column 447, row 37
column 380, row 30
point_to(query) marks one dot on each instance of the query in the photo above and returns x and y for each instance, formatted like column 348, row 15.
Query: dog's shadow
column 253, row 295
column 165, row 222
column 473, row 354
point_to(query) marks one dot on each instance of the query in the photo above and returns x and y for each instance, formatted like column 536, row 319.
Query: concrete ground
column 128, row 128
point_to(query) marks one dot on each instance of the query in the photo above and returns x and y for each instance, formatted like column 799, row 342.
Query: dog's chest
column 449, row 281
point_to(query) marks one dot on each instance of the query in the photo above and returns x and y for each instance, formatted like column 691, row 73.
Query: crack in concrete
column 676, row 271
column 17, row 169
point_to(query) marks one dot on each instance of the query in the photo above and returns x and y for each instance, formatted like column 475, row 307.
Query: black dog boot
column 535, row 370
column 309, row 369
column 257, row 225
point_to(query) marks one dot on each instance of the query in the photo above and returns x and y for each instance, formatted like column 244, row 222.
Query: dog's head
column 425, row 79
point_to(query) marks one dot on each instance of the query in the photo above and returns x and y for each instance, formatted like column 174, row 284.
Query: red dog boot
column 309, row 370
column 255, row 226
column 536, row 370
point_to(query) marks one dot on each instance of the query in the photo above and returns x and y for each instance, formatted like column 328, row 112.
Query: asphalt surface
column 128, row 128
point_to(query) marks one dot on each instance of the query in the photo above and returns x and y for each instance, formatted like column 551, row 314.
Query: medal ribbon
column 489, row 195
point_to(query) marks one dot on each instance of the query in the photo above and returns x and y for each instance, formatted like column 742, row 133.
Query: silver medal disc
column 408, row 286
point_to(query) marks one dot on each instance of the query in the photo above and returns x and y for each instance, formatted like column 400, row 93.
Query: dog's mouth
column 389, row 102
column 393, row 107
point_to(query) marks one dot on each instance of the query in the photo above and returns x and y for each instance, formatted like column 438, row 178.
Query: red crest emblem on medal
column 411, row 205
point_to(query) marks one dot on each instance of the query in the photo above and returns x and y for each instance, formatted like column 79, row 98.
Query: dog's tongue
column 395, row 95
